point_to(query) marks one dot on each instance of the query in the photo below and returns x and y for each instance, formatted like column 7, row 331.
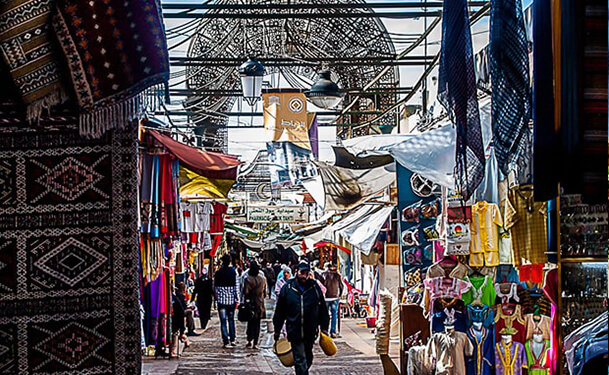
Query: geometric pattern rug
column 69, row 284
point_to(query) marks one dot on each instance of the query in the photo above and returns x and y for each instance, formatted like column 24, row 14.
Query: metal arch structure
column 300, row 39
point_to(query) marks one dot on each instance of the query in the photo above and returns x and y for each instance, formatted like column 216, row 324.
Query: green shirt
column 481, row 292
column 537, row 364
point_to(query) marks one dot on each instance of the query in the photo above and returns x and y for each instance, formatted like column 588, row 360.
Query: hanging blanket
column 27, row 49
column 115, row 49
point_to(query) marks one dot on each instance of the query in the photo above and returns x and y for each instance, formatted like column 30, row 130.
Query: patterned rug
column 68, row 253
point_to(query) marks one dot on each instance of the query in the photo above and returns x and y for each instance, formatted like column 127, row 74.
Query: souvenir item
column 411, row 214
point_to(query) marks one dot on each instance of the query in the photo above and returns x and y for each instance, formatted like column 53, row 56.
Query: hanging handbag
column 246, row 312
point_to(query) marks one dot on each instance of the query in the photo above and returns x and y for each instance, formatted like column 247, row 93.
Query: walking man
column 301, row 306
column 227, row 297
column 334, row 289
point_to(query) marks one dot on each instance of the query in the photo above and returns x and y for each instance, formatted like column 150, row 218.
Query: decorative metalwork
column 299, row 38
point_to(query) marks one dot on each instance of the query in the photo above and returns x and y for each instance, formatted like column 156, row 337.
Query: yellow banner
column 195, row 185
column 285, row 117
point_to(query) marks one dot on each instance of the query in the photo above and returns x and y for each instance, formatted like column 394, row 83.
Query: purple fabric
column 314, row 137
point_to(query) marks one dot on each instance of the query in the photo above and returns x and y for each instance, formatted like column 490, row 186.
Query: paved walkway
column 356, row 355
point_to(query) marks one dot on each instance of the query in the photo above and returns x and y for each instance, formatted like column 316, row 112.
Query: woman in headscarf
column 283, row 276
column 254, row 291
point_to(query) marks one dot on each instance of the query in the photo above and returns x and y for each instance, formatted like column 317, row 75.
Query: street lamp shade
column 324, row 93
column 252, row 75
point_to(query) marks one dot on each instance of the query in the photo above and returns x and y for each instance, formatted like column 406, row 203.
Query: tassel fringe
column 34, row 110
column 118, row 115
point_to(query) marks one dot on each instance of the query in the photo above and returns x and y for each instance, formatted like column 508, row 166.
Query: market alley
column 356, row 354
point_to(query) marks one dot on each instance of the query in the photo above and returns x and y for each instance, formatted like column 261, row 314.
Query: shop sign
column 282, row 214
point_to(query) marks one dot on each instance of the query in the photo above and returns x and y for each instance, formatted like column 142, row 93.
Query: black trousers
column 204, row 308
column 303, row 356
column 253, row 330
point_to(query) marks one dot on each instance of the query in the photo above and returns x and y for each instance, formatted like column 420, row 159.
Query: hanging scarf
column 115, row 50
column 458, row 94
column 511, row 96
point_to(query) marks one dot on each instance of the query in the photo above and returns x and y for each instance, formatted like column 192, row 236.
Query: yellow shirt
column 484, row 246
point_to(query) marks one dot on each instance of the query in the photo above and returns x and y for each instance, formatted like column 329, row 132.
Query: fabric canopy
column 332, row 244
column 195, row 185
column 360, row 227
column 346, row 188
column 208, row 164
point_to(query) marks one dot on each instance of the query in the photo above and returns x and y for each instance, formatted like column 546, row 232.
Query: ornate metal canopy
column 350, row 47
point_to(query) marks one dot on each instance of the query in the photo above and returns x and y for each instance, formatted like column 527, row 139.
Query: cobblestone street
column 355, row 355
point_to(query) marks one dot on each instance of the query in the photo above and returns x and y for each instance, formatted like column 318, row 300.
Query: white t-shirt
column 187, row 224
column 202, row 216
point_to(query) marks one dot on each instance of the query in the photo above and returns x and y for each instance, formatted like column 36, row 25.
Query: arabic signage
column 282, row 214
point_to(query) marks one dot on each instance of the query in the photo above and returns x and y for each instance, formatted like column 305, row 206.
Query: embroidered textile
column 69, row 245
column 448, row 311
column 486, row 219
column 482, row 361
column 441, row 287
column 457, row 92
column 27, row 47
column 530, row 300
column 482, row 291
column 537, row 361
column 514, row 320
column 510, row 359
column 115, row 49
column 506, row 293
column 527, row 222
column 534, row 323
column 511, row 94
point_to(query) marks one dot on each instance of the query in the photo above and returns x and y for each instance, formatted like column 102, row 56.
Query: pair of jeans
column 253, row 330
column 333, row 309
column 303, row 356
column 227, row 323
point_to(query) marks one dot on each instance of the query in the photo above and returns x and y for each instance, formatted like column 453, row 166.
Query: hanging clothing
column 482, row 291
column 537, row 361
column 506, row 273
column 535, row 322
column 441, row 287
column 437, row 270
column 506, row 293
column 510, row 359
column 449, row 349
column 527, row 222
column 217, row 218
column 447, row 310
column 187, row 224
column 482, row 361
column 530, row 299
column 202, row 216
column 419, row 361
column 480, row 314
column 515, row 320
column 484, row 248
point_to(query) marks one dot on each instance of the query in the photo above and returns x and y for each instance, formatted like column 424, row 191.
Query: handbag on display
column 459, row 214
column 411, row 214
column 246, row 312
column 458, row 232
column 454, row 247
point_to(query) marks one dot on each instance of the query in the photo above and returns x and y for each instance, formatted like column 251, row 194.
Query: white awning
column 360, row 227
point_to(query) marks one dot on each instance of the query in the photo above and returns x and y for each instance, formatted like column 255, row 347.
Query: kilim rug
column 68, row 253
column 26, row 46
column 114, row 49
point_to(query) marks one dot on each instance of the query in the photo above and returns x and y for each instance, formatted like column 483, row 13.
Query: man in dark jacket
column 271, row 277
column 301, row 306
column 334, row 290
column 204, row 294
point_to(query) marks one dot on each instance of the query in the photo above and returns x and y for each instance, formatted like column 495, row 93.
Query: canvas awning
column 360, row 227
column 332, row 244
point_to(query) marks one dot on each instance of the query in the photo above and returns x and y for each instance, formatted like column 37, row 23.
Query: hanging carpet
column 114, row 49
column 69, row 296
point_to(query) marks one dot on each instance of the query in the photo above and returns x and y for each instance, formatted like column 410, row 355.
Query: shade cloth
column 200, row 161
column 360, row 227
column 346, row 188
